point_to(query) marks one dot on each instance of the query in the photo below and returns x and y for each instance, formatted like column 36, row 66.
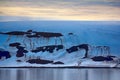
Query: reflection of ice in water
column 59, row 74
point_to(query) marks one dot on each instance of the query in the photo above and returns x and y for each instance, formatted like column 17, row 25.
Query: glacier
column 94, row 33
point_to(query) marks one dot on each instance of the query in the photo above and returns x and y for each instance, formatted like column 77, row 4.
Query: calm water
column 58, row 74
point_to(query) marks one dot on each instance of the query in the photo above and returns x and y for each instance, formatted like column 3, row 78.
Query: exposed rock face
column 14, row 44
column 18, row 61
column 58, row 47
column 48, row 34
column 20, row 52
column 76, row 48
column 39, row 61
column 25, row 51
column 15, row 33
column 30, row 33
column 72, row 49
column 58, row 62
column 5, row 54
column 102, row 58
column 49, row 48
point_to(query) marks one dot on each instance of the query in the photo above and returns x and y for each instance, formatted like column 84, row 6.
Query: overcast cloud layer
column 59, row 10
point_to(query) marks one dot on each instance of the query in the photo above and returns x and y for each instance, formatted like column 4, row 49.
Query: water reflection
column 58, row 74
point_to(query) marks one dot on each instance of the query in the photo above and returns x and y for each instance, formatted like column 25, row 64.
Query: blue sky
column 100, row 10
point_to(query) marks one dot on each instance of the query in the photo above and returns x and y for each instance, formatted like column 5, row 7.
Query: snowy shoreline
column 75, row 67
column 85, row 64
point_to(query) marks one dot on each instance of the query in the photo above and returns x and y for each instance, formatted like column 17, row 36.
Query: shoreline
column 71, row 67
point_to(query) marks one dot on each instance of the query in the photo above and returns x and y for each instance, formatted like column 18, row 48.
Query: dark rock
column 29, row 31
column 20, row 47
column 4, row 54
column 81, row 46
column 32, row 36
column 25, row 51
column 38, row 49
column 44, row 34
column 108, row 58
column 49, row 48
column 14, row 44
column 39, row 61
column 15, row 33
column 37, row 34
column 59, row 47
column 102, row 58
column 72, row 49
column 98, row 58
column 86, row 47
column 18, row 60
column 58, row 62
column 70, row 33
column 20, row 53
column 48, row 34
column 35, row 51
column 111, row 56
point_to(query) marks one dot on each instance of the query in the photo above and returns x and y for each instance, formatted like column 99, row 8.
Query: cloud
column 64, row 3
column 61, row 9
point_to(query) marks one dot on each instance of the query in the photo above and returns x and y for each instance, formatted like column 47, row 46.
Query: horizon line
column 65, row 20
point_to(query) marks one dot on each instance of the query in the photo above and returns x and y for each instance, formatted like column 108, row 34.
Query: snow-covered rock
column 73, row 34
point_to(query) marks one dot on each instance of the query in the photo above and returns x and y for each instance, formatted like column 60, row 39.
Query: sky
column 83, row 10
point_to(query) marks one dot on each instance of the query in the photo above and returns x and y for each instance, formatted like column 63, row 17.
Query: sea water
column 59, row 74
